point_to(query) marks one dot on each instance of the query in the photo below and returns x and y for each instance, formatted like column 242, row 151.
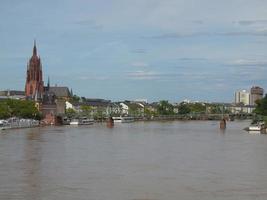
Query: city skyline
column 150, row 49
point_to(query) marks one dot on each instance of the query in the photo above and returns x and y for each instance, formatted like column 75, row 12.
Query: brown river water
column 190, row 160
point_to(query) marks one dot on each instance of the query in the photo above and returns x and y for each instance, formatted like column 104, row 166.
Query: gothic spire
column 48, row 83
column 71, row 93
column 34, row 49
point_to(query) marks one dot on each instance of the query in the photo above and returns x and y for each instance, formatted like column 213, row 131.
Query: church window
column 31, row 89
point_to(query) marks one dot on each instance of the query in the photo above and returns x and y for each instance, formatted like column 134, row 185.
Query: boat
column 4, row 125
column 86, row 121
column 74, row 122
column 123, row 119
column 66, row 121
column 256, row 127
column 117, row 119
column 127, row 119
column 82, row 121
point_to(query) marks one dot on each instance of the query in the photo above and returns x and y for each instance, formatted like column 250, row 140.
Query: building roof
column 60, row 91
column 94, row 103
column 12, row 93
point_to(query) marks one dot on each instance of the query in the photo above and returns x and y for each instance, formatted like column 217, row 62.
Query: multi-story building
column 242, row 97
column 256, row 93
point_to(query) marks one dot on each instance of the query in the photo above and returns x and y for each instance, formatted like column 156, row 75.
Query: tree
column 75, row 98
column 4, row 111
column 70, row 112
column 197, row 108
column 165, row 108
column 184, row 108
column 19, row 108
column 86, row 109
column 261, row 106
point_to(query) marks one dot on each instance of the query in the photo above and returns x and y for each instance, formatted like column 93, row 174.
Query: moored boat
column 256, row 127
column 127, row 119
column 86, row 121
column 4, row 125
column 74, row 122
column 82, row 121
column 123, row 119
column 117, row 119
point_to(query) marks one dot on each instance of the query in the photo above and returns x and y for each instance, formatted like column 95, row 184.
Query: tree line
column 18, row 108
column 261, row 106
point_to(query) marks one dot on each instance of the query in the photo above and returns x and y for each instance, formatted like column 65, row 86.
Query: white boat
column 256, row 127
column 4, row 125
column 82, row 121
column 123, row 119
column 117, row 119
column 86, row 121
column 127, row 119
column 74, row 122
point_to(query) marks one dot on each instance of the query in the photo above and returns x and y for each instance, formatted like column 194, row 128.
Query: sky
column 201, row 50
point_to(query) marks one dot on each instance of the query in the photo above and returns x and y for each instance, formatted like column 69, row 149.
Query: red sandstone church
column 50, row 100
column 34, row 87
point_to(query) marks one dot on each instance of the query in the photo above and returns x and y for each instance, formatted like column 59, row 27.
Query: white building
column 68, row 105
column 242, row 97
column 124, row 109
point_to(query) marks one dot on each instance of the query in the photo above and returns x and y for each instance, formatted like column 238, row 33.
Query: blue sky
column 131, row 49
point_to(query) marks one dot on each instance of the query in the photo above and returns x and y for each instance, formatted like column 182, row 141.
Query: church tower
column 34, row 87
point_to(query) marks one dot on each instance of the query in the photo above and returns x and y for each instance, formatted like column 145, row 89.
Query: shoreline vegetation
column 163, row 111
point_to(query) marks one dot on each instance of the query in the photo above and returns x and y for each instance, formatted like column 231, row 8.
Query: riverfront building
column 256, row 93
column 245, row 101
column 242, row 97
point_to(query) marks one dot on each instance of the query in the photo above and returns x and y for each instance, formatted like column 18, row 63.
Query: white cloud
column 99, row 78
column 139, row 64
column 248, row 62
column 142, row 75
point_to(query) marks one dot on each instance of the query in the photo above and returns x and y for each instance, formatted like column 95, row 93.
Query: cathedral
column 49, row 100
column 34, row 88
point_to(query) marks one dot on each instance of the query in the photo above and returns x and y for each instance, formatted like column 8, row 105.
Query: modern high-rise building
column 256, row 93
column 242, row 97
column 34, row 87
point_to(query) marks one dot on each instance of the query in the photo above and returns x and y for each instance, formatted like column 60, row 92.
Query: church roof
column 60, row 91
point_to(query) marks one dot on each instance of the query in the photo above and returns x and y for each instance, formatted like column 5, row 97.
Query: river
column 191, row 160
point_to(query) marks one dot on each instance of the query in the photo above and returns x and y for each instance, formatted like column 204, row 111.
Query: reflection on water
column 136, row 161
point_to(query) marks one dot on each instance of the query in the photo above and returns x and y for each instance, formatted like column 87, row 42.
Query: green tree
column 149, row 113
column 197, row 108
column 19, row 108
column 71, row 112
column 184, row 108
column 86, row 109
column 261, row 106
column 165, row 108
column 4, row 111
column 75, row 98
